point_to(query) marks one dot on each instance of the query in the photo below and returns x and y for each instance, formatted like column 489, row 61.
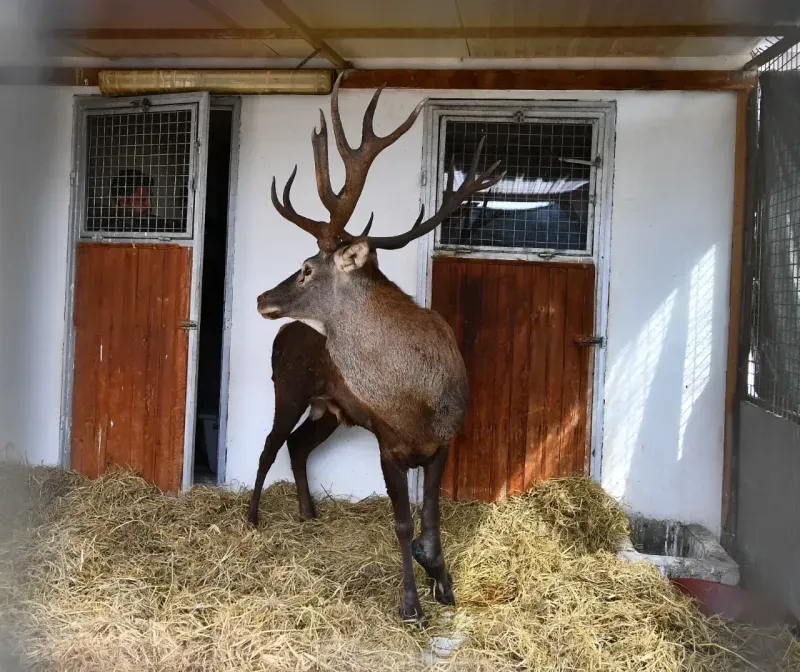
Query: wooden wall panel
column 129, row 389
column 517, row 324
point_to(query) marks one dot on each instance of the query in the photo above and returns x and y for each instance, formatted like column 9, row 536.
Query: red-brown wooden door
column 139, row 203
column 517, row 324
column 131, row 360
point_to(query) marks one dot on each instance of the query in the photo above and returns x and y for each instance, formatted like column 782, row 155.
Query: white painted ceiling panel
column 375, row 13
column 401, row 48
column 127, row 14
column 179, row 48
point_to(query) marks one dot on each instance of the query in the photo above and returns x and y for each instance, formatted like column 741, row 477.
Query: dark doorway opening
column 212, row 307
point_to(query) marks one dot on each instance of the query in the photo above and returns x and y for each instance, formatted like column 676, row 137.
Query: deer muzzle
column 267, row 309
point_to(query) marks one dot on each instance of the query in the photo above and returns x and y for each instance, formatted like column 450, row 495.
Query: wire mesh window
column 138, row 173
column 543, row 203
column 773, row 380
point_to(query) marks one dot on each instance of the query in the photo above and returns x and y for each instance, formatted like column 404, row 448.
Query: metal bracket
column 591, row 341
column 142, row 105
column 188, row 325
column 596, row 162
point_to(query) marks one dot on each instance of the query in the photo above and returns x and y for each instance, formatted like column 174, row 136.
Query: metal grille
column 773, row 380
column 543, row 203
column 788, row 61
column 137, row 173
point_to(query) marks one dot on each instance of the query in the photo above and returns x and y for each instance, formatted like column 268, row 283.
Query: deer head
column 343, row 259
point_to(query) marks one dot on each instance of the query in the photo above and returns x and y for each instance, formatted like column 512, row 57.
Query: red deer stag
column 301, row 372
column 397, row 370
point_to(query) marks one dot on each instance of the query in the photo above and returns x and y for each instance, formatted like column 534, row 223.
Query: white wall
column 672, row 215
column 35, row 134
column 668, row 300
column 668, row 316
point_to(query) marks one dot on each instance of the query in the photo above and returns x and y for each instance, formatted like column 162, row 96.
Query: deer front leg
column 301, row 442
column 427, row 548
column 397, row 486
column 271, row 447
column 286, row 417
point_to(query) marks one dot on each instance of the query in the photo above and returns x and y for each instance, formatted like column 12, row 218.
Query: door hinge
column 591, row 341
column 424, row 178
column 188, row 325
column 73, row 178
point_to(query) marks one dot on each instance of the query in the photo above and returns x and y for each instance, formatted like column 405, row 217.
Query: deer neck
column 365, row 326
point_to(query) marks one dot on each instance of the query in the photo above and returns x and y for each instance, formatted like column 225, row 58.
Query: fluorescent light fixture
column 254, row 82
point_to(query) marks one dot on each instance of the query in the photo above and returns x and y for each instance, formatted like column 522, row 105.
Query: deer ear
column 351, row 257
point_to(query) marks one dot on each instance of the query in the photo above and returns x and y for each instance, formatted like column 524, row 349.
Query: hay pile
column 111, row 574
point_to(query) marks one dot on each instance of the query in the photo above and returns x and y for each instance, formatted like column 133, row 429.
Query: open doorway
column 210, row 370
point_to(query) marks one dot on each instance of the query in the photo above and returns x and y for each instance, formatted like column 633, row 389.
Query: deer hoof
column 411, row 612
column 443, row 593
column 308, row 514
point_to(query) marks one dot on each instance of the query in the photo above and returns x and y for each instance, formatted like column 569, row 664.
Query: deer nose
column 266, row 309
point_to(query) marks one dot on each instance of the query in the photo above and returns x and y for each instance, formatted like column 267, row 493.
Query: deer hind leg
column 397, row 487
column 427, row 548
column 302, row 442
column 287, row 415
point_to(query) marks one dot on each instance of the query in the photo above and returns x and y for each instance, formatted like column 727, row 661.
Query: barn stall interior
column 624, row 301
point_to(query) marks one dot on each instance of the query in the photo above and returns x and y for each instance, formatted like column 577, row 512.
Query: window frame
column 106, row 108
column 598, row 114
column 442, row 122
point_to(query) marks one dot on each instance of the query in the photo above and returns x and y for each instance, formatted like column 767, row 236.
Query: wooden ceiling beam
column 504, row 80
column 551, row 80
column 304, row 32
column 317, row 36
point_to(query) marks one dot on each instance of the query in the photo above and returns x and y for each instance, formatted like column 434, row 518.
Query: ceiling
column 353, row 30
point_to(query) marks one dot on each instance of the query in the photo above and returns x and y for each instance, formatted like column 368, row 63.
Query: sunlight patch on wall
column 628, row 389
column 697, row 362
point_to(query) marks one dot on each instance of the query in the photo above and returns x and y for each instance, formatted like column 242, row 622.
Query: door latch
column 590, row 341
column 188, row 325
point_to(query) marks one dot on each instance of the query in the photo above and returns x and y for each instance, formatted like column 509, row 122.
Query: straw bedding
column 113, row 575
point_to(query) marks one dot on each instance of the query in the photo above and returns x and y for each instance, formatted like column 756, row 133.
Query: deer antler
column 450, row 203
column 357, row 162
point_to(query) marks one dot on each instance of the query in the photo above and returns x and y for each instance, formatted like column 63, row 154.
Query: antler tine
column 336, row 119
column 451, row 180
column 371, row 143
column 319, row 143
column 287, row 211
column 357, row 161
column 451, row 202
column 368, row 226
column 420, row 217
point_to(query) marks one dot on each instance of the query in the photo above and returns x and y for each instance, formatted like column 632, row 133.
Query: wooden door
column 139, row 228
column 131, row 360
column 517, row 324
